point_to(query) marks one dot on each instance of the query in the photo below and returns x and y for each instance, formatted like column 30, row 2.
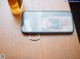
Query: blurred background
column 75, row 8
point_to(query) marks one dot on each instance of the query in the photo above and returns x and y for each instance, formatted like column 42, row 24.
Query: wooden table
column 15, row 45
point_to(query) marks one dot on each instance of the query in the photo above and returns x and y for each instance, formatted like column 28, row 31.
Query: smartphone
column 47, row 22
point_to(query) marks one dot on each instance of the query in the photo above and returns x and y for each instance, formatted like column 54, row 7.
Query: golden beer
column 16, row 6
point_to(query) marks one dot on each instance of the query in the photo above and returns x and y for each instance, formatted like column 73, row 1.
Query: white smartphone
column 47, row 22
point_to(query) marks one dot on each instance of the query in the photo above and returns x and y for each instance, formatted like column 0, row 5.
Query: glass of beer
column 16, row 6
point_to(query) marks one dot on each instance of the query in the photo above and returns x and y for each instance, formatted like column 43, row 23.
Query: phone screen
column 47, row 22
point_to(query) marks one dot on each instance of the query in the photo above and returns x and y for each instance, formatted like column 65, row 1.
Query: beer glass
column 16, row 6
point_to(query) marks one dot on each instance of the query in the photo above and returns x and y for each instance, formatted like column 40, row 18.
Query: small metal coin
column 34, row 37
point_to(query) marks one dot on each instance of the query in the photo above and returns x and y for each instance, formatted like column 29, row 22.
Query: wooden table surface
column 15, row 45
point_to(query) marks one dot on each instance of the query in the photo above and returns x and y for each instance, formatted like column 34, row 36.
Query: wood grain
column 15, row 45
